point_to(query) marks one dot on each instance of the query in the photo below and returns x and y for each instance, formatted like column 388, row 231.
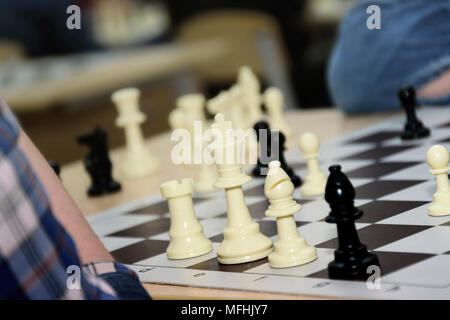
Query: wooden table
column 326, row 123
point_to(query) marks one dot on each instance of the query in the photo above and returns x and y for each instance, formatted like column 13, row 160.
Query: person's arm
column 88, row 245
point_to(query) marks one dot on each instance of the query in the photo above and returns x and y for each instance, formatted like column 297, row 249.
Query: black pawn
column 262, row 166
column 351, row 258
column 414, row 128
column 279, row 141
column 55, row 166
column 97, row 162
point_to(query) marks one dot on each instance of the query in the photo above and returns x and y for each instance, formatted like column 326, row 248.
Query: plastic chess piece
column 55, row 166
column 351, row 257
column 414, row 128
column 290, row 249
column 192, row 107
column 206, row 174
column 186, row 233
column 437, row 158
column 315, row 180
column 279, row 140
column 97, row 162
column 243, row 242
column 251, row 94
column 138, row 161
column 237, row 114
column 263, row 136
column 274, row 102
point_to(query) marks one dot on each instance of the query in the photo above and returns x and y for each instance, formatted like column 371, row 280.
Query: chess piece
column 138, row 162
column 205, row 178
column 243, row 242
column 186, row 233
column 206, row 174
column 219, row 104
column 274, row 102
column 192, row 107
column 251, row 95
column 290, row 249
column 279, row 140
column 414, row 128
column 97, row 162
column 351, row 257
column 315, row 180
column 263, row 136
column 237, row 111
column 55, row 166
column 437, row 158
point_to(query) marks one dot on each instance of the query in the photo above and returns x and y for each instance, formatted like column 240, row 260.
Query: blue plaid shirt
column 38, row 259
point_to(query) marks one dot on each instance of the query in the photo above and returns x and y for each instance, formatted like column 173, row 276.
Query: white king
column 242, row 240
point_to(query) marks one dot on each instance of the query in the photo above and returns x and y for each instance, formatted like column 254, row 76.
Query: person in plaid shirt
column 44, row 238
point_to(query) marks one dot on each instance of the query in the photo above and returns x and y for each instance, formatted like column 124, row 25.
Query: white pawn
column 315, row 180
column 437, row 158
column 290, row 249
column 138, row 161
column 186, row 233
column 274, row 102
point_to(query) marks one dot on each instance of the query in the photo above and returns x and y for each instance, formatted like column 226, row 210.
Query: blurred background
column 59, row 81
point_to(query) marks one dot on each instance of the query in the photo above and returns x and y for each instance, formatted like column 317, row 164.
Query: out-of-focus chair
column 10, row 50
column 255, row 40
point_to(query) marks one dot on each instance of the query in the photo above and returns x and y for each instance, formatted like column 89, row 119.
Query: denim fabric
column 127, row 286
column 40, row 26
column 368, row 67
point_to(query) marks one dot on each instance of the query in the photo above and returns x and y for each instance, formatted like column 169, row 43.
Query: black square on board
column 389, row 262
column 377, row 137
column 378, row 152
column 378, row 235
column 140, row 251
column 381, row 188
column 145, row 230
column 379, row 169
column 214, row 265
column 379, row 210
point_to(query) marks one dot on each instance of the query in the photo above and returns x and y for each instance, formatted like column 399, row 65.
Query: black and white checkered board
column 393, row 188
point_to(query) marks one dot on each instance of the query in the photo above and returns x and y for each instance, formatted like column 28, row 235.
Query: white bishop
column 290, row 249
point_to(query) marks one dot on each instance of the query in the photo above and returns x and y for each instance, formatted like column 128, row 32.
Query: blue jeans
column 368, row 67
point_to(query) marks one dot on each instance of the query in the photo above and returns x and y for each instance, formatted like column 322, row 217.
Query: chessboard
column 393, row 188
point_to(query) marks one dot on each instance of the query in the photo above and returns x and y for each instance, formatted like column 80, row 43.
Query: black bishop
column 351, row 257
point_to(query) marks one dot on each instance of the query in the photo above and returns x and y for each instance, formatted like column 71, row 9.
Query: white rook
column 186, row 233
